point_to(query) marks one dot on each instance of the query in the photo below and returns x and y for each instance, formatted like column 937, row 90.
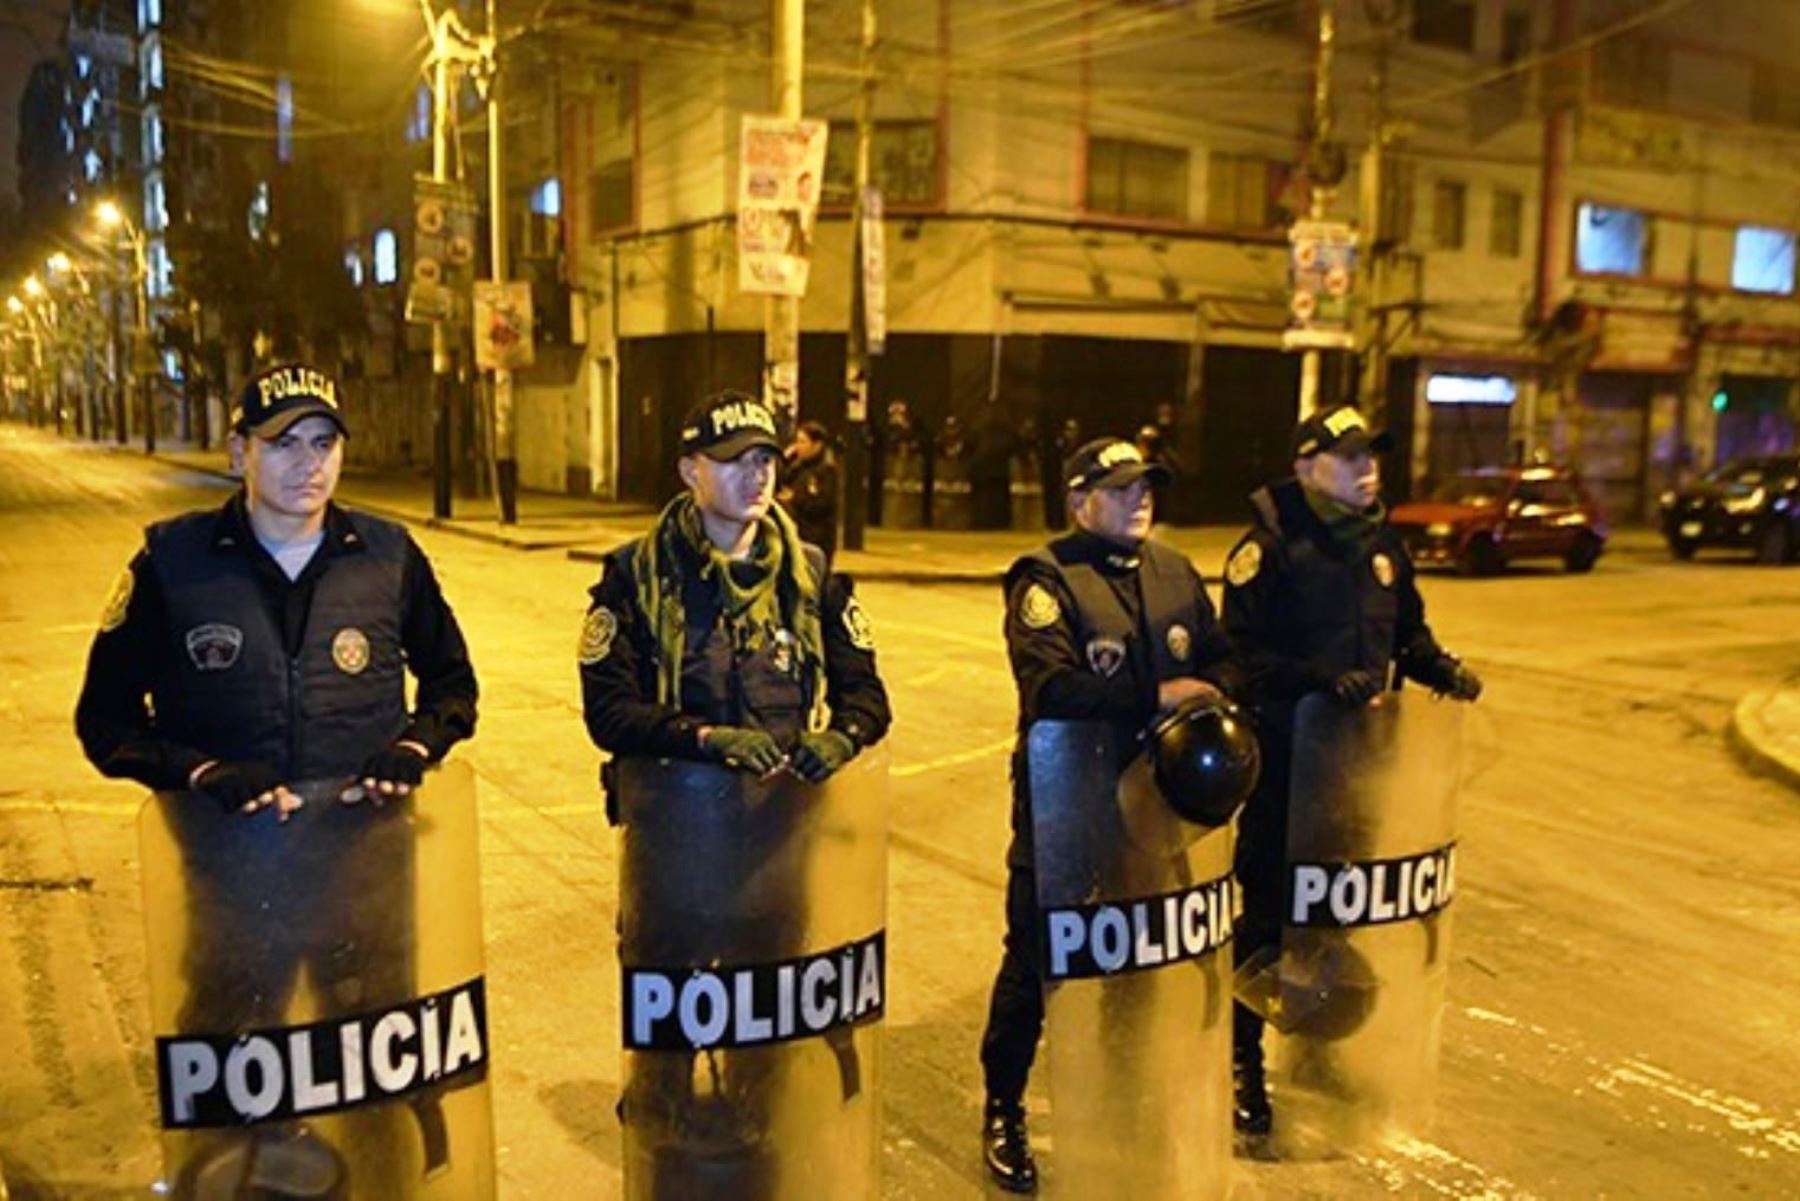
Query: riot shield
column 1357, row 994
column 317, row 997
column 1136, row 909
column 753, row 956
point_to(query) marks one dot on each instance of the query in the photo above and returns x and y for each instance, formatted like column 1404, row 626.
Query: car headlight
column 1440, row 529
column 1667, row 500
column 1746, row 504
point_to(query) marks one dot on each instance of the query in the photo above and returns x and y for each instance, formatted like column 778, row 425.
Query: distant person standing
column 809, row 489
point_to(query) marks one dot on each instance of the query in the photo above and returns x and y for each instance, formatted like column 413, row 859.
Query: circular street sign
column 1304, row 305
column 428, row 271
column 1306, row 254
column 1337, row 280
column 430, row 216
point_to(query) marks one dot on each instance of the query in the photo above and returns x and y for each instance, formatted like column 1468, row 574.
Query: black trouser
column 1016, row 1009
column 1260, row 863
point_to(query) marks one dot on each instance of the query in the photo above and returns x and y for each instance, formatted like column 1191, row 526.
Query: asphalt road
column 1622, row 1000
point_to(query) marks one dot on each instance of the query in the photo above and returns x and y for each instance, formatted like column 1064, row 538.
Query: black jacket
column 209, row 651
column 1092, row 629
column 1303, row 609
column 813, row 500
column 619, row 670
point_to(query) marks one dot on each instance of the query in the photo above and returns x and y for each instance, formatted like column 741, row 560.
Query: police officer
column 1101, row 624
column 810, row 490
column 1319, row 597
column 260, row 644
column 720, row 635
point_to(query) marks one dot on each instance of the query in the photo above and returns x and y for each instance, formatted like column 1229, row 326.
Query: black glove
column 398, row 764
column 818, row 755
column 235, row 785
column 1465, row 685
column 1357, row 688
column 738, row 746
column 1448, row 677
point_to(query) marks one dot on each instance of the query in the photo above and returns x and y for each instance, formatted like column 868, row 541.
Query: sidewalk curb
column 1749, row 738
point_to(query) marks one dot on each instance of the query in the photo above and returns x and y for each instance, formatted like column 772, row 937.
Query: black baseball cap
column 275, row 399
column 1340, row 430
column 1110, row 463
column 726, row 424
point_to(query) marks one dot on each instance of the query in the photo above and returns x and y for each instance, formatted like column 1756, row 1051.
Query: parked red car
column 1480, row 521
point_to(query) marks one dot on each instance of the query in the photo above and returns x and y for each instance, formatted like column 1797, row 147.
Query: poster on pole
column 503, row 326
column 1321, row 274
column 443, row 261
column 780, row 165
column 874, row 269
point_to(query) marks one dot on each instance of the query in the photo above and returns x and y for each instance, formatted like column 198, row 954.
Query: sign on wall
column 1321, row 279
column 503, row 326
column 780, row 166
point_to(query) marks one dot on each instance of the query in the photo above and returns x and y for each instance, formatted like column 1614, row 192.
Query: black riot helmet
column 1206, row 760
column 1328, row 987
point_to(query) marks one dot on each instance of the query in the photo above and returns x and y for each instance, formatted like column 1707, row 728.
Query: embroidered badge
column 1180, row 642
column 350, row 650
column 1106, row 655
column 214, row 646
column 118, row 599
column 1039, row 610
column 856, row 623
column 597, row 633
column 1244, row 565
column 781, row 652
column 1384, row 570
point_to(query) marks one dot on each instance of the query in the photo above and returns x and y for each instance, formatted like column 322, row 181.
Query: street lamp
column 37, row 327
column 112, row 218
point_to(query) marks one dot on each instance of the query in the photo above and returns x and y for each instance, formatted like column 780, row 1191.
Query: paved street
column 1623, row 989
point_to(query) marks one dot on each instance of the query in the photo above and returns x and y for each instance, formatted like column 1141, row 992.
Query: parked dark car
column 1752, row 503
column 1480, row 521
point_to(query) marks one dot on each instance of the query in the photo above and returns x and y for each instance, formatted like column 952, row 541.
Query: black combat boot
column 1006, row 1147
column 1251, row 1114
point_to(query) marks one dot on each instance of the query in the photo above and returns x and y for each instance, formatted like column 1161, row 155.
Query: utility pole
column 1383, row 14
column 1321, row 176
column 441, row 416
column 855, row 501
column 505, row 445
column 781, row 314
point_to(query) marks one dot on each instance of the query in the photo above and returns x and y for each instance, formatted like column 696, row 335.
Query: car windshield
column 1479, row 491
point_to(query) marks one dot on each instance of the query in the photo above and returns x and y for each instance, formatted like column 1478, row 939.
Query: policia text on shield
column 254, row 658
column 732, row 677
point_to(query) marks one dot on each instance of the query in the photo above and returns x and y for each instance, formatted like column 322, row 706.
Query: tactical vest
column 1339, row 606
column 1171, row 611
column 768, row 688
column 228, row 688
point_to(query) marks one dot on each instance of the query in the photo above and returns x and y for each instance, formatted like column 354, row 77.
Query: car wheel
column 1776, row 544
column 1479, row 557
column 1683, row 548
column 1583, row 555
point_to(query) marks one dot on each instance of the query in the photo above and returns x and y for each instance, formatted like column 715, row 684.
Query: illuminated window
column 161, row 269
column 149, row 14
column 153, row 135
column 156, row 203
column 1470, row 390
column 284, row 119
column 83, row 65
column 353, row 264
column 418, row 121
column 1763, row 260
column 90, row 107
column 546, row 199
column 150, row 66
column 1610, row 241
column 260, row 209
column 92, row 165
column 387, row 257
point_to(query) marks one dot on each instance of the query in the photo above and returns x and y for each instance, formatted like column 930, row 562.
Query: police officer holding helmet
column 1101, row 624
column 252, row 647
column 1320, row 596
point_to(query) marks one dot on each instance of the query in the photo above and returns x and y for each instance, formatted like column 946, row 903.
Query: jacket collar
column 231, row 530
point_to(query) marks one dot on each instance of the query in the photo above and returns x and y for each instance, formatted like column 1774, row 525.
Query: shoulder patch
column 1038, row 609
column 856, row 624
column 118, row 599
column 597, row 634
column 1244, row 565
